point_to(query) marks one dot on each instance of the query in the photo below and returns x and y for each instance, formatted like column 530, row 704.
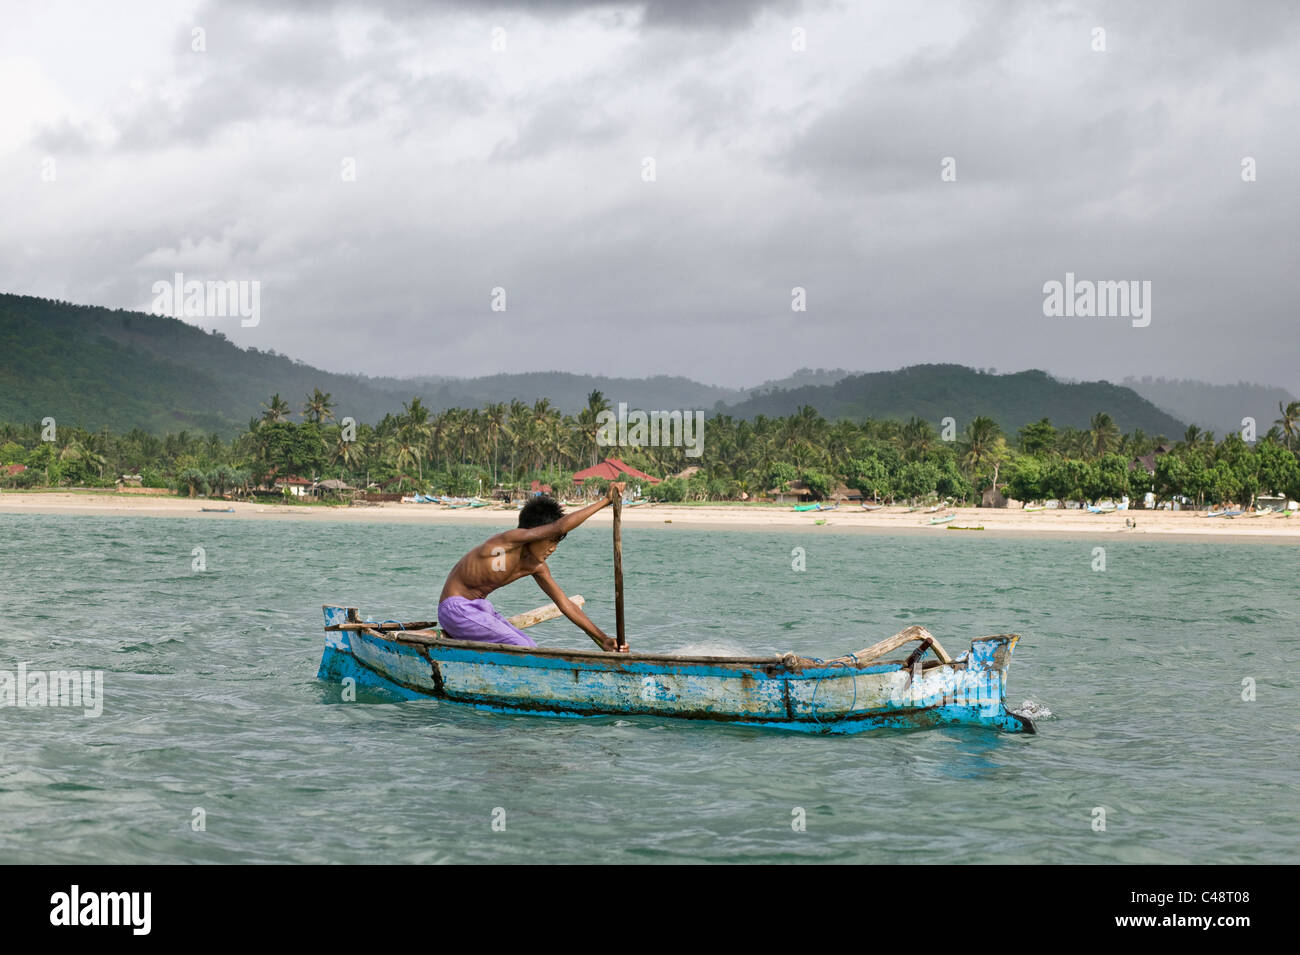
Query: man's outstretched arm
column 523, row 535
column 573, row 611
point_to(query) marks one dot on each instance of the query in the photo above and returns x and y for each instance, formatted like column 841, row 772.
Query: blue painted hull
column 786, row 692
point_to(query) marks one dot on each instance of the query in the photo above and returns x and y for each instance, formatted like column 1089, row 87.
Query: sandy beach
column 1002, row 522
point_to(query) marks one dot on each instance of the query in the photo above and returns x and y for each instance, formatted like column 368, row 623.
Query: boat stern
column 970, row 690
column 991, row 656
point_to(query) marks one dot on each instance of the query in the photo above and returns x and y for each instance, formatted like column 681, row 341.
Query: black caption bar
column 335, row 904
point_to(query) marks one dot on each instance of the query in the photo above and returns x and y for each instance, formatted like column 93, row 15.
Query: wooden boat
column 849, row 694
column 217, row 510
column 965, row 527
column 872, row 507
column 936, row 509
column 806, row 507
column 942, row 520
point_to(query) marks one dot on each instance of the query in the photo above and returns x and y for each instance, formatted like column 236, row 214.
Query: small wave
column 148, row 646
column 1034, row 710
column 1253, row 615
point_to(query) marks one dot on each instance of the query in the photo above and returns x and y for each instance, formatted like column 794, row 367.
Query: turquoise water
column 211, row 702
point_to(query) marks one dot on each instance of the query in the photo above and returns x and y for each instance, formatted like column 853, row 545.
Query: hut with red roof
column 612, row 469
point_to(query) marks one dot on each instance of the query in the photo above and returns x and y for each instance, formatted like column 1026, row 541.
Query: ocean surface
column 216, row 743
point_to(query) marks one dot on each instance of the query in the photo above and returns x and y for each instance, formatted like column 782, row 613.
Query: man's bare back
column 463, row 609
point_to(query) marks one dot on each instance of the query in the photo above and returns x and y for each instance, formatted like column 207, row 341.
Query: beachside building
column 797, row 492
column 292, row 484
column 845, row 494
column 1148, row 461
column 335, row 486
column 612, row 469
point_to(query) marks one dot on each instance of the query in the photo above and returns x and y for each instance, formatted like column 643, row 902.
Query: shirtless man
column 464, row 612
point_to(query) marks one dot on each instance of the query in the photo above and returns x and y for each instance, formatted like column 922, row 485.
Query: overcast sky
column 775, row 167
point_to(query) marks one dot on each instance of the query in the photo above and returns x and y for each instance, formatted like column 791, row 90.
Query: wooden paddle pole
column 618, row 569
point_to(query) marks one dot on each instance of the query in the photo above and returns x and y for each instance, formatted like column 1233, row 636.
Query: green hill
column 934, row 392
column 98, row 367
column 1217, row 408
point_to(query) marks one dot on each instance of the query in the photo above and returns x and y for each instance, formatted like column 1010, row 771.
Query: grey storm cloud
column 706, row 14
column 774, row 168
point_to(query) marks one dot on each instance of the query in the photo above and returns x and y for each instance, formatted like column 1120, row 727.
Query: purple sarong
column 463, row 619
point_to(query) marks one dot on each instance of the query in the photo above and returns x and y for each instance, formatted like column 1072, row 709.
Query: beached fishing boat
column 849, row 694
column 942, row 520
column 965, row 527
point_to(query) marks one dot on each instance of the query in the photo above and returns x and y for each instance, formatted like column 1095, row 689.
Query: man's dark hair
column 542, row 509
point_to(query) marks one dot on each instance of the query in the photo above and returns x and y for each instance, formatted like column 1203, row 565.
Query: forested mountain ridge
column 934, row 392
column 96, row 367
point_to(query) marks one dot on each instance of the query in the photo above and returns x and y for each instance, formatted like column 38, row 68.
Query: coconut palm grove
column 515, row 447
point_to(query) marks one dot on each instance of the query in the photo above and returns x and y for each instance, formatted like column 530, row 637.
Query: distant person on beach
column 465, row 613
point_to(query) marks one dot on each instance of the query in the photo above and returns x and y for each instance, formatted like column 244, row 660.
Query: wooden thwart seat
column 913, row 634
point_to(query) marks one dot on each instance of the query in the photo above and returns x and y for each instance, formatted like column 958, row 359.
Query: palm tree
column 1073, row 443
column 216, row 448
column 1136, row 443
column 917, row 438
column 587, row 422
column 413, row 434
column 74, row 451
column 515, row 429
column 1289, row 423
column 542, row 415
column 1103, row 435
column 1194, row 439
column 350, row 453
column 406, row 453
column 318, row 407
column 494, row 426
column 980, row 444
column 276, row 410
